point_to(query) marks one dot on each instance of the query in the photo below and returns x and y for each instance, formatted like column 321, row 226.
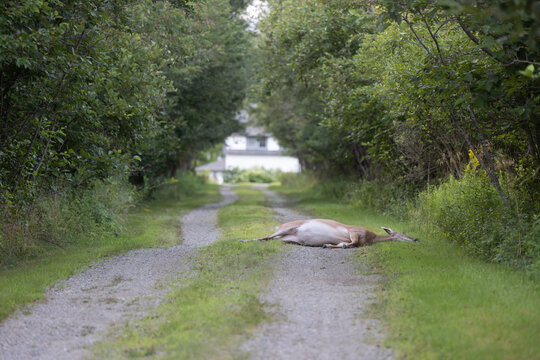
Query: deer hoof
column 345, row 246
column 325, row 246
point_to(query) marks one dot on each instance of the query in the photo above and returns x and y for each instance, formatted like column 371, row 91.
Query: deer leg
column 282, row 232
column 355, row 239
column 290, row 239
column 342, row 245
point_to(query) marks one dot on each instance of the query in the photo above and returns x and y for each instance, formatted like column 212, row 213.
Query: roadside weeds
column 151, row 224
column 437, row 301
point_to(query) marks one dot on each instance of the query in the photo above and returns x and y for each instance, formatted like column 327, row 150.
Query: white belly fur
column 316, row 233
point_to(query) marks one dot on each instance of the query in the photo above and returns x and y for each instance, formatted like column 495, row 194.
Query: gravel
column 318, row 298
column 79, row 311
column 321, row 305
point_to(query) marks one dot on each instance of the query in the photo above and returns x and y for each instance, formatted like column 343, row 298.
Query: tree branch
column 440, row 26
column 60, row 86
column 432, row 36
column 490, row 168
column 517, row 61
column 476, row 41
column 416, row 35
column 494, row 181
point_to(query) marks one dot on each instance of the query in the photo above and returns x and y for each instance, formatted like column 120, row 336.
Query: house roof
column 255, row 131
column 213, row 166
column 246, row 119
column 253, row 152
column 252, row 131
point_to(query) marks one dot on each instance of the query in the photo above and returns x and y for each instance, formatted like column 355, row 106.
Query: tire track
column 321, row 304
column 79, row 311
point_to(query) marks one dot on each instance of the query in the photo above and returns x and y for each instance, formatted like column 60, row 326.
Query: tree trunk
column 488, row 168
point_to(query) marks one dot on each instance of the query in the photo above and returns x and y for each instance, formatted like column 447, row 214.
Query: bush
column 376, row 195
column 64, row 217
column 253, row 175
column 470, row 212
column 77, row 215
column 179, row 188
column 390, row 198
column 331, row 188
column 301, row 180
column 467, row 211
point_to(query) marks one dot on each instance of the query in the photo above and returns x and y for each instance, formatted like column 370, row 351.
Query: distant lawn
column 209, row 313
column 438, row 302
column 154, row 223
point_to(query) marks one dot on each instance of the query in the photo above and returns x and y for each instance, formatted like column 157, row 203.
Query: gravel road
column 320, row 302
column 78, row 312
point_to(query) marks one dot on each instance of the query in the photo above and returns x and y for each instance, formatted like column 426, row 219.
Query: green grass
column 211, row 311
column 154, row 223
column 438, row 302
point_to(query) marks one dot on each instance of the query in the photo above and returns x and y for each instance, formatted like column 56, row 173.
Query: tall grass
column 467, row 211
column 470, row 212
column 438, row 301
column 152, row 223
column 377, row 195
column 59, row 219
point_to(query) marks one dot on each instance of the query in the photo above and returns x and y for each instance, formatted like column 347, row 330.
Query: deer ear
column 389, row 231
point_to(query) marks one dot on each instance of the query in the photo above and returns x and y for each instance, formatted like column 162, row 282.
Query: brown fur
column 339, row 235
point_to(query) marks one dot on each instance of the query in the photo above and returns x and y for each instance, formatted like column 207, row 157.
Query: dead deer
column 331, row 234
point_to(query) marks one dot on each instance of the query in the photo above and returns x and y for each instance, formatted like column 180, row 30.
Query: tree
column 209, row 74
column 78, row 88
column 405, row 89
column 299, row 41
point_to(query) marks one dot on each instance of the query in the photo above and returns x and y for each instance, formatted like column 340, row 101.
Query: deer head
column 399, row 236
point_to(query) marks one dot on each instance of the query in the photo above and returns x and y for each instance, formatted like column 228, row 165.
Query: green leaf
column 528, row 72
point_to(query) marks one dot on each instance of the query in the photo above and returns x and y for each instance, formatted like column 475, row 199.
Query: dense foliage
column 253, row 175
column 78, row 88
column 400, row 97
column 395, row 95
column 96, row 90
column 404, row 86
column 469, row 212
column 210, row 80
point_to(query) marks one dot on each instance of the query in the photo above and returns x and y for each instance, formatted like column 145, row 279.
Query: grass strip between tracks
column 207, row 314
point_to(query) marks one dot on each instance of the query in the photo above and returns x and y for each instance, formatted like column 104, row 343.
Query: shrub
column 179, row 188
column 331, row 188
column 388, row 197
column 301, row 180
column 470, row 212
column 76, row 215
column 376, row 195
column 465, row 210
column 253, row 175
column 64, row 217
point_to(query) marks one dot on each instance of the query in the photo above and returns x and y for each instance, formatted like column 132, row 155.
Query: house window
column 256, row 143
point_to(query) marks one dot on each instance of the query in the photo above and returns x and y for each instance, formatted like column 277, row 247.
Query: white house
column 252, row 148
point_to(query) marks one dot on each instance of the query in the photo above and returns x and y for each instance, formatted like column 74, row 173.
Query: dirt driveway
column 321, row 304
column 79, row 311
column 318, row 298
